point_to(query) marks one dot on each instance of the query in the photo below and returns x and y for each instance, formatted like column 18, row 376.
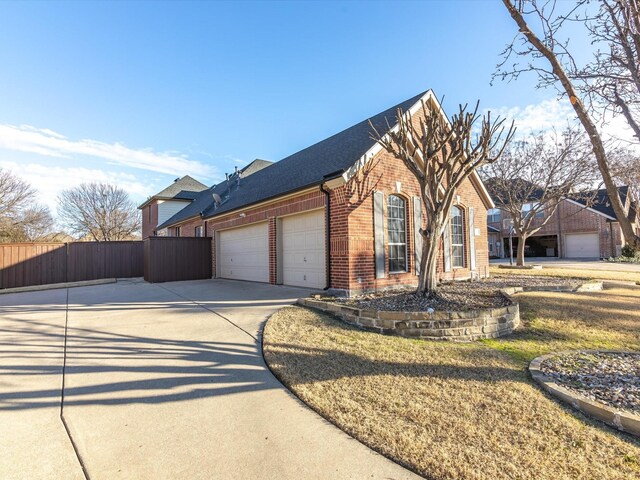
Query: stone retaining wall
column 460, row 326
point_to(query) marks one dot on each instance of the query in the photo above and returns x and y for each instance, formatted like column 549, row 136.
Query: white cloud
column 538, row 117
column 51, row 180
column 26, row 138
column 558, row 113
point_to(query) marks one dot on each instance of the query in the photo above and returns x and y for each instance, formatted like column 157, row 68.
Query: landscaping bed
column 455, row 296
column 606, row 377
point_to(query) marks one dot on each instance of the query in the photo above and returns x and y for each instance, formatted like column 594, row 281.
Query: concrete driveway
column 161, row 381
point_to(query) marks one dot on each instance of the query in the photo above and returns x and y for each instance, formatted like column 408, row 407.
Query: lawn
column 463, row 411
column 585, row 273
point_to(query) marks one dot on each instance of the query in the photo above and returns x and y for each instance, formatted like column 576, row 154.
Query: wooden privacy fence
column 26, row 264
column 169, row 259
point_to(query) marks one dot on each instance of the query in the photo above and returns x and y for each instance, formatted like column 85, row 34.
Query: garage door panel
column 244, row 253
column 582, row 245
column 303, row 250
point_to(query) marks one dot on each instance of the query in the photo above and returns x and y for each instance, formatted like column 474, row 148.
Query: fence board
column 169, row 259
column 26, row 264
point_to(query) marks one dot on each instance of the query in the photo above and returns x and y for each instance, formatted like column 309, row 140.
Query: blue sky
column 139, row 93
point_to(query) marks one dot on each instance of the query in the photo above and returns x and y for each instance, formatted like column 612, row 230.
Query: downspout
column 327, row 233
column 560, row 239
column 613, row 243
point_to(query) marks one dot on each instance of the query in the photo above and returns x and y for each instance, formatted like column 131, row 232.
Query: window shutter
column 417, row 225
column 472, row 239
column 447, row 247
column 378, row 227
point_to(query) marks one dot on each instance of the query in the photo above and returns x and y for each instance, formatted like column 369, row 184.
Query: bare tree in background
column 626, row 170
column 536, row 174
column 609, row 83
column 442, row 155
column 21, row 217
column 98, row 211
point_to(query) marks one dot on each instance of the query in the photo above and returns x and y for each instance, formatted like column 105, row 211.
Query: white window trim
column 406, row 243
column 451, row 244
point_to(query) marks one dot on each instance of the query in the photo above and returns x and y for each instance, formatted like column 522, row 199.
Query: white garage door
column 303, row 250
column 582, row 245
column 243, row 253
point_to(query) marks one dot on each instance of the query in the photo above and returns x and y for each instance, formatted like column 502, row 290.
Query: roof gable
column 340, row 155
column 204, row 199
column 601, row 201
column 185, row 188
column 312, row 165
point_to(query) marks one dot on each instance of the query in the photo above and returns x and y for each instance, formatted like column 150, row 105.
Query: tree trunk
column 428, row 279
column 596, row 141
column 522, row 241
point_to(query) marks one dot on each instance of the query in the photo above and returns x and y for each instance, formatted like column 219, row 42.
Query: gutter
column 327, row 233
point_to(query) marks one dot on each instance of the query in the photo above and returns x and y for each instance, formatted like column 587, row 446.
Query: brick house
column 165, row 204
column 575, row 230
column 341, row 214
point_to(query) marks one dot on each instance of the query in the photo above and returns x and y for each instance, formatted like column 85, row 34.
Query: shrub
column 629, row 252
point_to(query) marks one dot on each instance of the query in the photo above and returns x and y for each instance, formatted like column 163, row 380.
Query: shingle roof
column 502, row 189
column 204, row 199
column 597, row 200
column 308, row 167
column 185, row 188
column 601, row 201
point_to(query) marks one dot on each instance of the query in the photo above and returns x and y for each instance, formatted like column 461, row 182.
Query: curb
column 52, row 286
column 623, row 421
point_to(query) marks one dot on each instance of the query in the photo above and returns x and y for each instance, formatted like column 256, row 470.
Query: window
column 457, row 238
column 493, row 215
column 177, row 231
column 527, row 207
column 397, row 234
column 199, row 231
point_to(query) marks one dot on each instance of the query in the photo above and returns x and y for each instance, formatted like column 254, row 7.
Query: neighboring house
column 578, row 229
column 341, row 214
column 166, row 203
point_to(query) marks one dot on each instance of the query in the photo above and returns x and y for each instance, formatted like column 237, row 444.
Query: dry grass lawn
column 584, row 273
column 463, row 411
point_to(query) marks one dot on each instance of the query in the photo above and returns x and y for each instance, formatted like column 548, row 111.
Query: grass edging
column 623, row 421
column 319, row 412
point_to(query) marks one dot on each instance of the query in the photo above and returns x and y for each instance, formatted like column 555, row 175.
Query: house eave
column 377, row 148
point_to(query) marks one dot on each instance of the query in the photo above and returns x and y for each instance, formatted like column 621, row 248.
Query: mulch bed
column 458, row 296
column 609, row 378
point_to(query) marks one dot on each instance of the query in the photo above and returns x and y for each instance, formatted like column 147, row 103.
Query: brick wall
column 149, row 219
column 355, row 241
column 188, row 229
column 572, row 218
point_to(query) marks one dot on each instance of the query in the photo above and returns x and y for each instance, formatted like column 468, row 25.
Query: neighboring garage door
column 303, row 250
column 582, row 245
column 243, row 253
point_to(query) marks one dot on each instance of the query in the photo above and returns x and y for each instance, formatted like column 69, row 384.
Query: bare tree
column 626, row 171
column 21, row 217
column 36, row 223
column 614, row 75
column 442, row 155
column 581, row 85
column 536, row 174
column 98, row 211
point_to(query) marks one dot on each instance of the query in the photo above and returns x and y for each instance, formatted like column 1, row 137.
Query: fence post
column 66, row 262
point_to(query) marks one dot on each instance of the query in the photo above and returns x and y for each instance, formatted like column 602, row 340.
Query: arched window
column 457, row 237
column 397, row 234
